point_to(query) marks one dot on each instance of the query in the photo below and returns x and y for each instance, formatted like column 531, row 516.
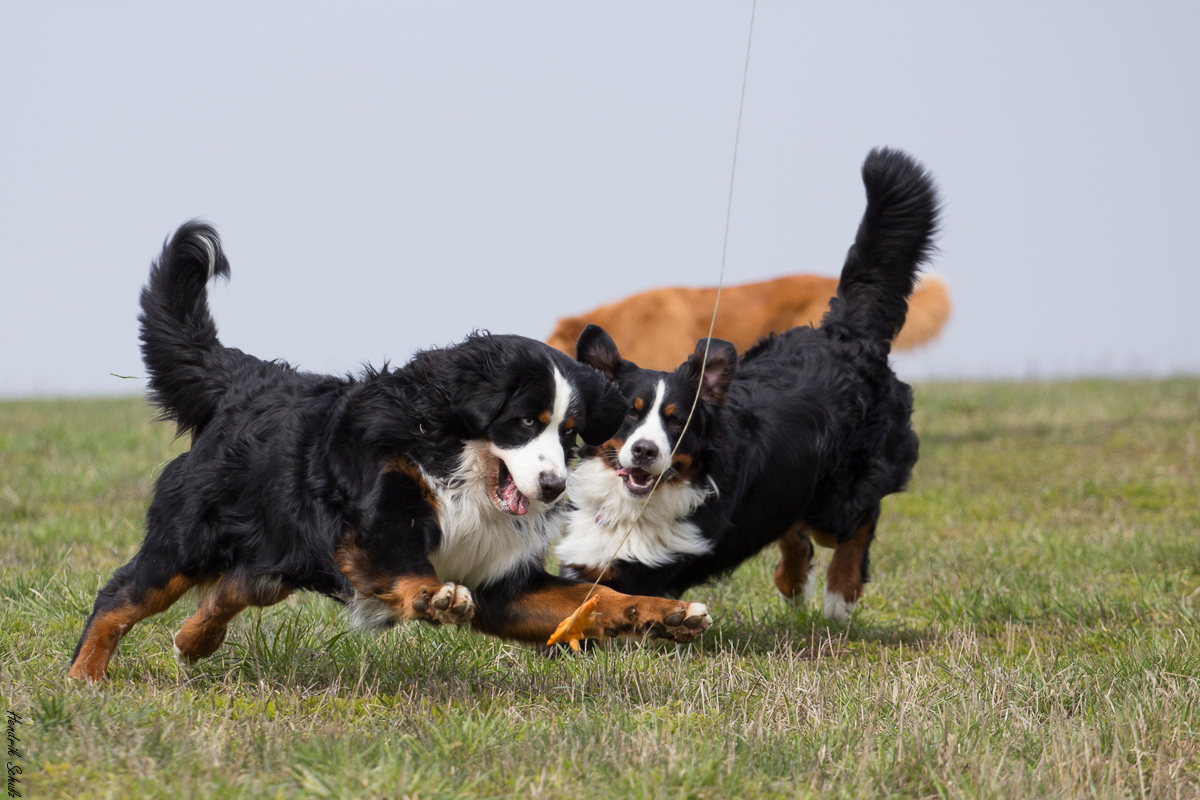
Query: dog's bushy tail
column 185, row 360
column 894, row 239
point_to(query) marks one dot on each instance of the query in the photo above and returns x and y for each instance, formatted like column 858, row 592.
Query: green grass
column 1031, row 631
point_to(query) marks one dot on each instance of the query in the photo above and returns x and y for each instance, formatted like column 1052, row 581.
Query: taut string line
column 570, row 621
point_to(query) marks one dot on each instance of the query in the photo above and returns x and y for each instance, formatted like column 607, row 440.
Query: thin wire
column 711, row 325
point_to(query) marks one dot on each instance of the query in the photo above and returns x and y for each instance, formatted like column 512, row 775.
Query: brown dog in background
column 658, row 329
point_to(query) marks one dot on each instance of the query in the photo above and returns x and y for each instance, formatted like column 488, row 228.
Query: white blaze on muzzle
column 652, row 431
column 542, row 454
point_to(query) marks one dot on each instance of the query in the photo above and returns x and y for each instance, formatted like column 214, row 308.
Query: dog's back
column 398, row 493
column 658, row 328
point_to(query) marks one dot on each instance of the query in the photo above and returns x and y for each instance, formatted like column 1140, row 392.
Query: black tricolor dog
column 801, row 440
column 426, row 492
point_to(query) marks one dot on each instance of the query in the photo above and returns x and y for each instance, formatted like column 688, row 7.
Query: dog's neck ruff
column 605, row 510
column 482, row 545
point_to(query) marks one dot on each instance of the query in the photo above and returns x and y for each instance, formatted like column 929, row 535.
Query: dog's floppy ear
column 476, row 405
column 604, row 405
column 597, row 349
column 479, row 372
column 719, row 369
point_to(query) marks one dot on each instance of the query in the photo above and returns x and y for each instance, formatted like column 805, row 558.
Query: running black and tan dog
column 428, row 492
column 798, row 440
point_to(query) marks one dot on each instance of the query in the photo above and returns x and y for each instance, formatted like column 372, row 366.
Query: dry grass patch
column 1031, row 632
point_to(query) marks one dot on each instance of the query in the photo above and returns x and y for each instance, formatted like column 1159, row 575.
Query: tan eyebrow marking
column 639, row 403
column 669, row 411
column 544, row 417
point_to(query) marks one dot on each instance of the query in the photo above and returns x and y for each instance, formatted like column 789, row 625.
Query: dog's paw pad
column 697, row 617
column 452, row 604
column 684, row 624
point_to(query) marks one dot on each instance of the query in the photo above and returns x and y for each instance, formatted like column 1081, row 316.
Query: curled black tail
column 179, row 338
column 894, row 239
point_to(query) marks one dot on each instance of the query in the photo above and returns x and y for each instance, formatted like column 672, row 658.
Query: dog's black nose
column 551, row 486
column 644, row 450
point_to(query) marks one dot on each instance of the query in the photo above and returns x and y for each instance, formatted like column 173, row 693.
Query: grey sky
column 390, row 176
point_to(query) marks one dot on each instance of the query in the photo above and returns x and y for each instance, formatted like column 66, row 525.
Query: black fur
column 811, row 426
column 288, row 469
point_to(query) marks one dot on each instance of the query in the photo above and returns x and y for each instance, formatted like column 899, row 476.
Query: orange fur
column 547, row 613
column 105, row 630
column 659, row 328
column 203, row 632
column 845, row 575
column 795, row 558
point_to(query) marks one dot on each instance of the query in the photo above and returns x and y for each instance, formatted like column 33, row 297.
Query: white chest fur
column 605, row 510
column 481, row 544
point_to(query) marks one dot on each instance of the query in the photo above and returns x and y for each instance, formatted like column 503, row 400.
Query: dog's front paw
column 452, row 604
column 683, row 625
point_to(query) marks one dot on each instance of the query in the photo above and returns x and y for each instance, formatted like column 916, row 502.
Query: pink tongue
column 517, row 503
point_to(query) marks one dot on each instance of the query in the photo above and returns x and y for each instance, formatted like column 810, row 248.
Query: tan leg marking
column 843, row 581
column 422, row 597
column 106, row 629
column 427, row 598
column 402, row 465
column 203, row 632
column 535, row 616
column 792, row 577
column 823, row 539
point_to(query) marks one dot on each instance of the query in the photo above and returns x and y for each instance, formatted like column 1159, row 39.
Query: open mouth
column 508, row 496
column 637, row 481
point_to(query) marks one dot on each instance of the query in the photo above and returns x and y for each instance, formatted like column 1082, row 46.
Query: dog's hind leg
column 129, row 597
column 792, row 577
column 203, row 632
column 847, row 574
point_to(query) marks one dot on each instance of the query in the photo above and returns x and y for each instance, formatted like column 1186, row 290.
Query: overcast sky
column 391, row 176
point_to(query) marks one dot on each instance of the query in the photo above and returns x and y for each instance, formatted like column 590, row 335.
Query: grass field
column 1031, row 631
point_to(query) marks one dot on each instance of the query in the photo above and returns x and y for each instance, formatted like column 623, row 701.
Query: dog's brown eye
column 633, row 412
